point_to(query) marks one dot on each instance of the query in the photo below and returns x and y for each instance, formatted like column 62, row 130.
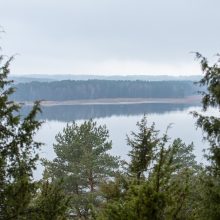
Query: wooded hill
column 96, row 89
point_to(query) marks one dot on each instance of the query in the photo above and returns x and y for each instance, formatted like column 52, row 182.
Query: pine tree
column 83, row 163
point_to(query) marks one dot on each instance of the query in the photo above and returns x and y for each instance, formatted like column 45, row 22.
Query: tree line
column 161, row 181
column 97, row 89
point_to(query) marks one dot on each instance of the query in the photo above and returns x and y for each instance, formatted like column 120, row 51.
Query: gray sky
column 109, row 36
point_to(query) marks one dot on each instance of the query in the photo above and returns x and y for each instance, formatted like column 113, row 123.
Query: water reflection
column 68, row 113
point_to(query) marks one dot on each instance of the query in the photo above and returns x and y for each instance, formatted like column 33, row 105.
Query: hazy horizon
column 104, row 75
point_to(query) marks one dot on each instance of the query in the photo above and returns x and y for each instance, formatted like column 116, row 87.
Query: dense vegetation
column 162, row 180
column 96, row 89
column 20, row 196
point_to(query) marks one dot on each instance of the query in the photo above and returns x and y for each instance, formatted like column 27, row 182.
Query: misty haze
column 109, row 110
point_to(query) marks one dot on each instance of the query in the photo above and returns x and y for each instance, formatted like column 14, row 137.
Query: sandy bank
column 122, row 101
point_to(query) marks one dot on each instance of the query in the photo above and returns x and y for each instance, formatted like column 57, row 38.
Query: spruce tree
column 143, row 144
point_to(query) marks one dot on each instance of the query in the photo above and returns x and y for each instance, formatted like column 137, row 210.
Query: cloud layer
column 109, row 36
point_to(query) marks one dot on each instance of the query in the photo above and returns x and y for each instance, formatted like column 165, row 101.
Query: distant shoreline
column 121, row 101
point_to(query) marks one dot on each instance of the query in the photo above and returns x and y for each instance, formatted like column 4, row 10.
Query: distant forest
column 97, row 89
column 50, row 78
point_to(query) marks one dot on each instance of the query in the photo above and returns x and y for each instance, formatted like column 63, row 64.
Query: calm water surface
column 121, row 120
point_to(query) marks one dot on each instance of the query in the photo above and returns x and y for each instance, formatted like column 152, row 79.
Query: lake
column 120, row 121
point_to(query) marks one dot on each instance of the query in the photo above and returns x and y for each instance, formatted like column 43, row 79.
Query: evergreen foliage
column 159, row 182
column 83, row 163
column 18, row 152
column 211, row 98
column 211, row 128
column 20, row 196
column 142, row 148
column 51, row 203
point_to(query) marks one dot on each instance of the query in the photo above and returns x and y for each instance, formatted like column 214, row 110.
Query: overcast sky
column 109, row 37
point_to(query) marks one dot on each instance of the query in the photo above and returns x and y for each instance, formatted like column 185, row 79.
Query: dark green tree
column 21, row 197
column 51, row 203
column 210, row 98
column 164, row 190
column 83, row 162
column 143, row 144
column 18, row 151
column 140, row 202
column 175, row 173
column 210, row 200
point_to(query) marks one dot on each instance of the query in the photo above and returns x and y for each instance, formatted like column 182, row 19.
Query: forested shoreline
column 98, row 89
